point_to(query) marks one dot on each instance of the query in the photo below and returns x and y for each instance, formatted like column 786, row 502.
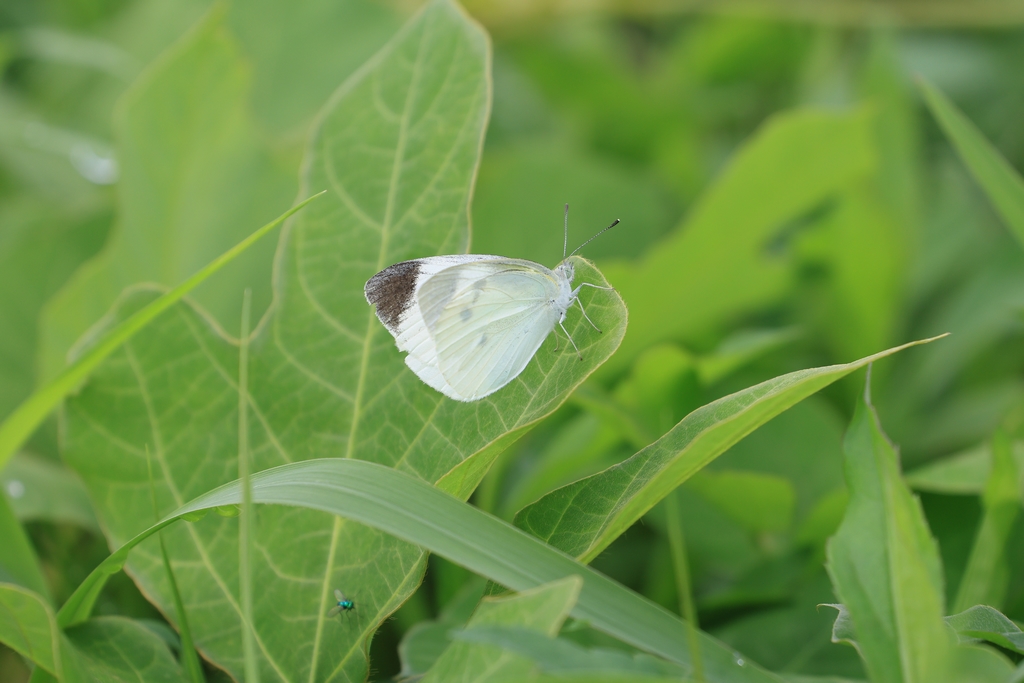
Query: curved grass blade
column 412, row 510
column 584, row 517
column 20, row 424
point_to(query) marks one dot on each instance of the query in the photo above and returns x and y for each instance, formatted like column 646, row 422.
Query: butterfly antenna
column 594, row 237
column 565, row 242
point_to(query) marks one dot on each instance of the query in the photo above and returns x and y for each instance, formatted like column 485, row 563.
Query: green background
column 799, row 185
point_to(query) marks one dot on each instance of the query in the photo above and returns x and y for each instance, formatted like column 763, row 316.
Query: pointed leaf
column 582, row 518
column 885, row 565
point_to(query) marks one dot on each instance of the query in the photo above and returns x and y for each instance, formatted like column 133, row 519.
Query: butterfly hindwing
column 487, row 320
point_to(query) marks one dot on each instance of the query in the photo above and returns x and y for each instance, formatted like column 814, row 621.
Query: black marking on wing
column 391, row 291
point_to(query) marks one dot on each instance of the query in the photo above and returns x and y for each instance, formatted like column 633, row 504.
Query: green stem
column 189, row 658
column 681, row 568
column 245, row 522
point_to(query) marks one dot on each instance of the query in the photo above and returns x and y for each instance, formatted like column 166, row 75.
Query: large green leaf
column 1003, row 185
column 39, row 250
column 885, row 564
column 582, row 518
column 719, row 263
column 397, row 149
column 299, row 55
column 195, row 177
column 402, row 505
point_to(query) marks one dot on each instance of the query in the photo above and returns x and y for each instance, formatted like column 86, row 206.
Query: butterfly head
column 566, row 269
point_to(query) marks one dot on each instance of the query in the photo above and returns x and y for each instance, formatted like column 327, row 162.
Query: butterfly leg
column 571, row 341
column 576, row 298
column 584, row 312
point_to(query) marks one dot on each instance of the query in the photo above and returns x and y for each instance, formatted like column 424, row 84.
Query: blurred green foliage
column 788, row 200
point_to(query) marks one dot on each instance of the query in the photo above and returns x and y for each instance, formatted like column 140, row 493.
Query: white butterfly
column 471, row 323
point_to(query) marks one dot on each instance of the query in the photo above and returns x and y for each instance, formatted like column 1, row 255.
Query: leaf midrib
column 386, row 229
column 158, row 446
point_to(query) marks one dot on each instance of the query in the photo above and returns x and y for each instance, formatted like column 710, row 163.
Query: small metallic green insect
column 344, row 604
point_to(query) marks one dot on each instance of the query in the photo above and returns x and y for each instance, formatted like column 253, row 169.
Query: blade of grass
column 414, row 511
column 189, row 658
column 245, row 521
column 1003, row 185
column 20, row 424
column 681, row 569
